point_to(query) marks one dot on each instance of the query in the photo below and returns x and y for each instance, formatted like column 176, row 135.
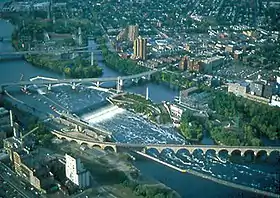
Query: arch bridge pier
column 175, row 148
column 231, row 150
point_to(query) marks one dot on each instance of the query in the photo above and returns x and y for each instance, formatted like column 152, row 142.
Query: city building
column 229, row 48
column 238, row 88
column 122, row 35
column 4, row 124
column 187, row 47
column 133, row 32
column 275, row 101
column 193, row 65
column 183, row 63
column 184, row 94
column 267, row 91
column 278, row 79
column 256, row 88
column 140, row 48
column 176, row 112
column 209, row 64
column 76, row 172
column 238, row 55
column 32, row 166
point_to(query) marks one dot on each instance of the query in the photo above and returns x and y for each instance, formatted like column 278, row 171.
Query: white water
column 103, row 115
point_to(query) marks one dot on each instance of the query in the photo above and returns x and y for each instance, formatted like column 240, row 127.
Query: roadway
column 77, row 81
column 14, row 181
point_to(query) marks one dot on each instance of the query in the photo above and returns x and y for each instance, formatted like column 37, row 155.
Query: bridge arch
column 62, row 138
column 96, row 146
column 250, row 152
column 73, row 141
column 211, row 151
column 152, row 150
column 262, row 153
column 273, row 152
column 165, row 151
column 235, row 152
column 84, row 143
column 110, row 148
column 223, row 151
column 249, row 155
column 197, row 150
column 183, row 152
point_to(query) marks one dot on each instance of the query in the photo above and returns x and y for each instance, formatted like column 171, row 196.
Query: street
column 11, row 185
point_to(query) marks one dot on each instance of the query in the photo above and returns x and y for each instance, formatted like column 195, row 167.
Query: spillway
column 102, row 114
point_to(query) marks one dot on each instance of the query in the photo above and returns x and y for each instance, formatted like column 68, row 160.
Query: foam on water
column 104, row 115
column 40, row 91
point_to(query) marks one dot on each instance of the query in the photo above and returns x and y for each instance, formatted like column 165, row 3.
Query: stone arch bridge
column 112, row 146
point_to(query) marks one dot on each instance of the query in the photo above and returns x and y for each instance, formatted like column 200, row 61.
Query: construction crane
column 25, row 135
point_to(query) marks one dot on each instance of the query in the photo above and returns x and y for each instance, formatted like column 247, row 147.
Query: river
column 128, row 127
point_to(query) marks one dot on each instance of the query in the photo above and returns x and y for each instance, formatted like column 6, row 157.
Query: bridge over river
column 74, row 82
column 113, row 146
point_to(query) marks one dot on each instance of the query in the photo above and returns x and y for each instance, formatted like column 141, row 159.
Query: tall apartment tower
column 133, row 32
column 140, row 48
column 76, row 172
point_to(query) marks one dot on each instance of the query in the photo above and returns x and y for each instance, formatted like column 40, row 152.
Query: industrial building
column 238, row 88
column 76, row 172
column 33, row 167
column 256, row 88
column 209, row 64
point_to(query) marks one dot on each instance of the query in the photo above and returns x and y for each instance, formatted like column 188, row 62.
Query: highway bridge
column 74, row 82
column 242, row 150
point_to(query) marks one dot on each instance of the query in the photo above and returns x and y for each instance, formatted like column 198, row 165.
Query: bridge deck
column 129, row 145
column 84, row 80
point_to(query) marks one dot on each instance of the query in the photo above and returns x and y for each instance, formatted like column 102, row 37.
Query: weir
column 101, row 114
column 91, row 108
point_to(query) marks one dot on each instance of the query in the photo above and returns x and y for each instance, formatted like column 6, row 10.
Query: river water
column 128, row 127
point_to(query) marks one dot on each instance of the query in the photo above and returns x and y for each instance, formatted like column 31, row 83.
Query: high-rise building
column 76, row 172
column 133, row 32
column 140, row 48
column 183, row 63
